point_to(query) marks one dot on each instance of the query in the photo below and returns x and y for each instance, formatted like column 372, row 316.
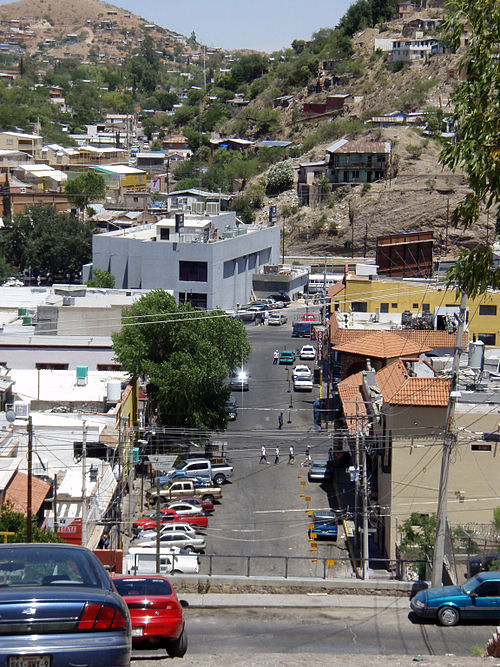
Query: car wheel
column 208, row 498
column 190, row 549
column 178, row 647
column 448, row 616
column 219, row 479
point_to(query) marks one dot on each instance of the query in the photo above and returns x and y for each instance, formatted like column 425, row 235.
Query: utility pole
column 364, row 481
column 84, row 485
column 55, row 503
column 449, row 440
column 158, row 519
column 356, row 478
column 29, row 510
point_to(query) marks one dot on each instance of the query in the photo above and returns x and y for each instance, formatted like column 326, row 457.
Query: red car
column 156, row 613
column 149, row 522
column 309, row 317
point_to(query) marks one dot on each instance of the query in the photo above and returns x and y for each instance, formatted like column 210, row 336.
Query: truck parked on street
column 217, row 472
column 142, row 560
column 182, row 489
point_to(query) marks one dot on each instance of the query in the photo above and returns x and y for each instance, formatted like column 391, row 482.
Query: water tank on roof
column 476, row 354
column 113, row 391
column 82, row 373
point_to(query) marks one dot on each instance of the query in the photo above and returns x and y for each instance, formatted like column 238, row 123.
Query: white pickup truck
column 143, row 561
column 217, row 472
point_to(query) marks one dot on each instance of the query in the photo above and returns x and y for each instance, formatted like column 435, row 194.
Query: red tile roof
column 350, row 394
column 432, row 339
column 382, row 345
column 17, row 492
column 335, row 289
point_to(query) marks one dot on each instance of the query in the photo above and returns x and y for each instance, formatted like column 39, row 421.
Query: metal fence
column 301, row 567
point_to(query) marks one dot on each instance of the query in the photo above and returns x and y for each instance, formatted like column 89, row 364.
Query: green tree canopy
column 48, row 241
column 85, row 188
column 477, row 146
column 185, row 356
column 15, row 522
column 101, row 278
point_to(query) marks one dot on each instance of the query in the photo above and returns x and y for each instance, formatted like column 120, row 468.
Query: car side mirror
column 473, row 595
column 184, row 603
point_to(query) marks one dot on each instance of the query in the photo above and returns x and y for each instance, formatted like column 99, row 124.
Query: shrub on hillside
column 279, row 177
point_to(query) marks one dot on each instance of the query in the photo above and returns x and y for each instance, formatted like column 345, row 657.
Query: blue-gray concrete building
column 207, row 261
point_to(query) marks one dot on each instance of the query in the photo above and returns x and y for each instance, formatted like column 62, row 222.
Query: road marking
column 299, row 509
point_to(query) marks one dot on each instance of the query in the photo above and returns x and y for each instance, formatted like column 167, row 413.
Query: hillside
column 71, row 28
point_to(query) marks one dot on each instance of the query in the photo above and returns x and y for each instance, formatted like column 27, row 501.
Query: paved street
column 276, row 636
column 262, row 512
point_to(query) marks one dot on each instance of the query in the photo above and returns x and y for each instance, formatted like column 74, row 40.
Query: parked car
column 309, row 317
column 239, row 380
column 478, row 599
column 60, row 608
column 169, row 516
column 177, row 540
column 307, row 352
column 141, row 560
column 150, row 533
column 483, row 562
column 232, row 408
column 276, row 319
column 302, row 383
column 217, row 472
column 287, row 357
column 156, row 613
column 325, row 525
column 185, row 510
column 183, row 489
column 198, row 504
column 318, row 471
column 280, row 297
column 301, row 369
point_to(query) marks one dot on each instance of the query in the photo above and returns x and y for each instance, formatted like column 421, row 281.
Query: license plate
column 29, row 661
column 137, row 631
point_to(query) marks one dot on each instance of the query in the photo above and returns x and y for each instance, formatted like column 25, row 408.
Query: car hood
column 443, row 592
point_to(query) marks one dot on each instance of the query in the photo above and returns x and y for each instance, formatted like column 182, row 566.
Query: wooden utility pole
column 84, row 485
column 158, row 522
column 55, row 503
column 364, row 482
column 449, row 440
column 29, row 503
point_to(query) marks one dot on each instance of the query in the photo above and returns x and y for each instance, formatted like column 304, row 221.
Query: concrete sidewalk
column 302, row 600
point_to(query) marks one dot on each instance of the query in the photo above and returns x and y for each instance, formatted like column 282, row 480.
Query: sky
column 263, row 25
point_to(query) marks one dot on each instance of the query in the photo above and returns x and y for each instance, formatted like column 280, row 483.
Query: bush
column 397, row 66
column 279, row 177
column 366, row 188
column 414, row 151
column 332, row 228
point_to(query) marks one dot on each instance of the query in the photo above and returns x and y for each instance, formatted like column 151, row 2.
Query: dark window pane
column 193, row 271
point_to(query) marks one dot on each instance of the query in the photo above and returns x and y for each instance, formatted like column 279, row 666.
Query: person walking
column 291, row 456
column 280, row 421
column 263, row 455
column 276, row 356
column 307, row 460
column 276, row 456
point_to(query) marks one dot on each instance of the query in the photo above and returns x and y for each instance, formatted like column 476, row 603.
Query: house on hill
column 352, row 162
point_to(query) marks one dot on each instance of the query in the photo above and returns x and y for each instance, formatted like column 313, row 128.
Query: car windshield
column 22, row 566
column 143, row 586
column 471, row 585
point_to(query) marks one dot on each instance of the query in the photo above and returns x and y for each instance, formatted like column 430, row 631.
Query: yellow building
column 387, row 299
column 122, row 178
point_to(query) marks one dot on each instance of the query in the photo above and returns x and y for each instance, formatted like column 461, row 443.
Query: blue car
column 325, row 525
column 477, row 599
column 59, row 608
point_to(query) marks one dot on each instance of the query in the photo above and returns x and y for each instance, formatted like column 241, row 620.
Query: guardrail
column 300, row 566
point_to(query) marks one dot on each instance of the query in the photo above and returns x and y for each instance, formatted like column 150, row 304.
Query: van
column 143, row 561
column 301, row 330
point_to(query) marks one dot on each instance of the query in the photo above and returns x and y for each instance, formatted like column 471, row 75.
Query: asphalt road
column 217, row 635
column 263, row 511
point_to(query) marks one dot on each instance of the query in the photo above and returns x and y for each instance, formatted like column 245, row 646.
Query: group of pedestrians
column 291, row 456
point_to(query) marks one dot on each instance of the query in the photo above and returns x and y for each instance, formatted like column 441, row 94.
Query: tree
column 15, row 522
column 48, row 241
column 101, row 278
column 85, row 188
column 477, row 146
column 279, row 177
column 185, row 355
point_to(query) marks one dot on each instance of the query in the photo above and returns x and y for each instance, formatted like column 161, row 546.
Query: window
column 487, row 338
column 384, row 307
column 164, row 234
column 414, row 305
column 394, row 305
column 193, row 271
column 359, row 307
column 52, row 367
column 480, row 447
column 488, row 310
column 109, row 367
column 197, row 300
column 426, row 308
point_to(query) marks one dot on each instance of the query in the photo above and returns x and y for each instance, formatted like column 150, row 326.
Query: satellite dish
column 10, row 416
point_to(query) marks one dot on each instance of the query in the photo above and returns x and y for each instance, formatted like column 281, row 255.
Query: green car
column 287, row 357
